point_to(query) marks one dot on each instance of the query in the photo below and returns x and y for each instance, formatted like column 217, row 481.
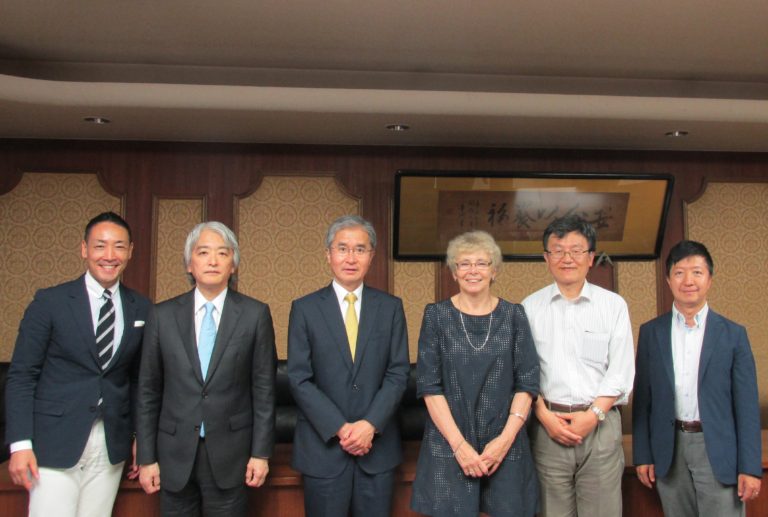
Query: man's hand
column 23, row 468
column 356, row 438
column 558, row 427
column 581, row 423
column 256, row 472
column 133, row 470
column 749, row 487
column 646, row 474
column 149, row 478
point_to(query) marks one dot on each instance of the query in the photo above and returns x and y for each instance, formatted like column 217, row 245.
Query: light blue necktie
column 205, row 344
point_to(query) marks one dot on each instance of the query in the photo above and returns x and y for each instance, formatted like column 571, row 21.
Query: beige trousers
column 585, row 480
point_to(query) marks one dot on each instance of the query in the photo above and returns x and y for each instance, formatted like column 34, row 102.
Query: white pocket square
column 138, row 323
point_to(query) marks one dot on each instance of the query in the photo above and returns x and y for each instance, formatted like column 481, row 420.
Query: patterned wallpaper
column 731, row 219
column 175, row 218
column 282, row 230
column 41, row 228
column 415, row 284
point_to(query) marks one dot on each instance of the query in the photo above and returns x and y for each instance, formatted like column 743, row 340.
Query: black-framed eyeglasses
column 576, row 254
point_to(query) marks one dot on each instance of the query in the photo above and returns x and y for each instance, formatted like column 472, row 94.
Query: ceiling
column 601, row 74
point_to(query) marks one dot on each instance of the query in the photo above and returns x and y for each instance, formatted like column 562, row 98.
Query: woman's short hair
column 227, row 235
column 350, row 221
column 473, row 242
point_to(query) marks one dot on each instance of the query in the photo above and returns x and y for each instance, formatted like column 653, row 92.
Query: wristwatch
column 598, row 412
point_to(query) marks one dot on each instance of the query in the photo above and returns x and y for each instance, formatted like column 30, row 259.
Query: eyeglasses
column 357, row 251
column 576, row 254
column 480, row 265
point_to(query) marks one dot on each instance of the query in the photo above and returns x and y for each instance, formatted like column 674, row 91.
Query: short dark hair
column 571, row 223
column 107, row 217
column 685, row 249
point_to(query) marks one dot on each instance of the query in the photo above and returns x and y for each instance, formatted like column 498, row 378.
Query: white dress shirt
column 585, row 345
column 341, row 293
column 686, row 353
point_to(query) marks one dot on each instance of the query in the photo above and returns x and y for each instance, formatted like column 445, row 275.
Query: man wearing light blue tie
column 206, row 387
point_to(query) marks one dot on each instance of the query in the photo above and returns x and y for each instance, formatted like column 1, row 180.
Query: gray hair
column 227, row 235
column 350, row 221
column 471, row 242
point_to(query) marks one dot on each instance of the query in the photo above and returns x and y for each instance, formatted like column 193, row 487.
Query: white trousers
column 87, row 489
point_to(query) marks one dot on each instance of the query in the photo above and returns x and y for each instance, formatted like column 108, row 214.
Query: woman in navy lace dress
column 478, row 373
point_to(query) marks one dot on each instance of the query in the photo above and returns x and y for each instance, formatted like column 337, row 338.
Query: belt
column 693, row 426
column 566, row 408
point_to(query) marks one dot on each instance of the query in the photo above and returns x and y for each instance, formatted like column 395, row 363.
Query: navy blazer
column 55, row 381
column 330, row 389
column 728, row 399
column 236, row 399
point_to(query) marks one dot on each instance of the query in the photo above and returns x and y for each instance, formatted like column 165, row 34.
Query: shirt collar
column 700, row 317
column 585, row 294
column 96, row 289
column 218, row 302
column 341, row 292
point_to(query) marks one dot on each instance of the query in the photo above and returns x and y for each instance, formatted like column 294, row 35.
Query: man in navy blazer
column 347, row 380
column 696, row 415
column 68, row 394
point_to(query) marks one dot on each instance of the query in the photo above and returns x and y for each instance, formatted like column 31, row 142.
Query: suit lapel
column 331, row 312
column 129, row 315
column 185, row 321
column 369, row 308
column 230, row 315
column 711, row 332
column 663, row 339
column 81, row 312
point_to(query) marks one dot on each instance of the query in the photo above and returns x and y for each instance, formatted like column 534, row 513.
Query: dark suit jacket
column 330, row 389
column 236, row 400
column 55, row 381
column 728, row 399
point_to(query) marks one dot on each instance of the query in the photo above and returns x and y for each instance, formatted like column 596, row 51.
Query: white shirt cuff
column 22, row 445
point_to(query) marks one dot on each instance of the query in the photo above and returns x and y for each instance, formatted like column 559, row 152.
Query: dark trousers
column 201, row 497
column 353, row 493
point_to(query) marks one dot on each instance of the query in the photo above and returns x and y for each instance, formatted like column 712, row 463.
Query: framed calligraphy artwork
column 627, row 210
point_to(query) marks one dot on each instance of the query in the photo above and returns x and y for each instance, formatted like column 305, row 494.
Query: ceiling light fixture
column 398, row 127
column 97, row 120
column 676, row 134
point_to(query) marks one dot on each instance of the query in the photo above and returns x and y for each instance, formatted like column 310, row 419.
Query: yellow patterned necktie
column 350, row 322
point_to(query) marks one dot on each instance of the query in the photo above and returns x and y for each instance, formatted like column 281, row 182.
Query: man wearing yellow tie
column 348, row 367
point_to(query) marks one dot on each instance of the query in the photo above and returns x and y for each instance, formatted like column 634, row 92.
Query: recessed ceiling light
column 398, row 127
column 676, row 134
column 97, row 120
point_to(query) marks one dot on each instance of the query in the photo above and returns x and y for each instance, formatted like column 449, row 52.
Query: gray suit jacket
column 330, row 389
column 55, row 381
column 236, row 400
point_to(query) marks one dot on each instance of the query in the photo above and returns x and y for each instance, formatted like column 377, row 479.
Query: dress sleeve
column 524, row 356
column 429, row 379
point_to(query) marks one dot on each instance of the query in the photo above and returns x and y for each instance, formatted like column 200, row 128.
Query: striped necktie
column 105, row 330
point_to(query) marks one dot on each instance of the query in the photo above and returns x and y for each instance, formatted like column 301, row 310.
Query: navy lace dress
column 479, row 383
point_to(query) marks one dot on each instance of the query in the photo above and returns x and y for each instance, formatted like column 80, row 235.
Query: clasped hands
column 356, row 438
column 567, row 429
column 483, row 464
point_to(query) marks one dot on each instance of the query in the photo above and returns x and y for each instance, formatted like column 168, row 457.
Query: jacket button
column 355, row 387
column 205, row 394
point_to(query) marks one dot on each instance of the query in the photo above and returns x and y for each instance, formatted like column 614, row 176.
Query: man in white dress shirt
column 584, row 341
